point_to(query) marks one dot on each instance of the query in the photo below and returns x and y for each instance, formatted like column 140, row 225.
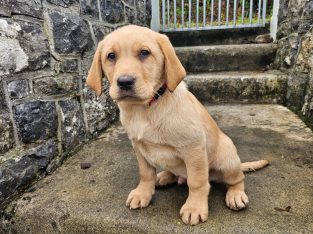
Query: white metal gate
column 187, row 15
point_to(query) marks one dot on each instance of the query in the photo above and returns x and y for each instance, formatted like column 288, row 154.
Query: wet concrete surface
column 92, row 200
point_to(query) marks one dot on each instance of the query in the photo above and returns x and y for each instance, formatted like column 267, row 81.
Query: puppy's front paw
column 236, row 200
column 193, row 214
column 138, row 198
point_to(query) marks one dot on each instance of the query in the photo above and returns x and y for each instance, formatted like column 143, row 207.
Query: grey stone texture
column 234, row 87
column 7, row 141
column 73, row 126
column 55, row 85
column 21, row 171
column 6, row 134
column 295, row 54
column 63, row 3
column 35, row 44
column 18, row 50
column 31, row 8
column 100, row 31
column 90, row 8
column 66, row 66
column 73, row 200
column 112, row 11
column 3, row 104
column 296, row 90
column 142, row 13
column 118, row 12
column 226, row 57
column 12, row 57
column 70, row 65
column 5, row 9
column 143, row 16
column 46, row 48
column 100, row 111
column 130, row 15
column 71, row 34
column 307, row 108
column 18, row 89
column 36, row 120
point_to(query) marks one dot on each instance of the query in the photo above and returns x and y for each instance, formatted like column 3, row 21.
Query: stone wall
column 46, row 112
column 295, row 54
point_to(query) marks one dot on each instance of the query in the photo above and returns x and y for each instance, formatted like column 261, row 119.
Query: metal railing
column 186, row 15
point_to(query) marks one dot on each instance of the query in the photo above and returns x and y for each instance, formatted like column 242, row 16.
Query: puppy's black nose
column 125, row 82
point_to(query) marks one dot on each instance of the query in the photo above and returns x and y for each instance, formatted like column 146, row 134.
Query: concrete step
column 226, row 57
column 72, row 200
column 216, row 37
column 242, row 87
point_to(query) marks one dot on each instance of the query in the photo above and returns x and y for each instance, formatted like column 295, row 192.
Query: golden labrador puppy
column 167, row 125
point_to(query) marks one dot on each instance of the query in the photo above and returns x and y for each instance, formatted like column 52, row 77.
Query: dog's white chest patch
column 136, row 126
column 152, row 140
column 159, row 155
column 162, row 156
column 137, row 131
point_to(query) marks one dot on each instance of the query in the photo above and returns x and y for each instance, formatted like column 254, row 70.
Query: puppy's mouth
column 127, row 95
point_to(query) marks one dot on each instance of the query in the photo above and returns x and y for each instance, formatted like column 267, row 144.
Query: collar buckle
column 158, row 94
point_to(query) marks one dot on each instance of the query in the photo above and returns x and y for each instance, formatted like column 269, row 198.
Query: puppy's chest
column 143, row 129
column 158, row 155
column 153, row 143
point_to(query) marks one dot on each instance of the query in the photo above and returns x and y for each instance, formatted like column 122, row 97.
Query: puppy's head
column 137, row 62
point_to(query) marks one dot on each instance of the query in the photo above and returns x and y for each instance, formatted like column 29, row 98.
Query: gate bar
column 235, row 12
column 243, row 12
column 189, row 13
column 182, row 12
column 219, row 11
column 204, row 13
column 251, row 8
column 197, row 20
column 221, row 16
column 212, row 4
column 264, row 12
column 163, row 13
column 174, row 13
column 227, row 12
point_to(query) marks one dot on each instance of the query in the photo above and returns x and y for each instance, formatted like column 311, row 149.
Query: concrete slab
column 239, row 86
column 226, row 57
column 73, row 200
column 216, row 37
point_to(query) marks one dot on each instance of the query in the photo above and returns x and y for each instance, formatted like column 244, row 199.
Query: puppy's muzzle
column 126, row 83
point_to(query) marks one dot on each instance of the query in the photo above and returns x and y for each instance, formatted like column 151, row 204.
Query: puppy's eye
column 111, row 57
column 144, row 54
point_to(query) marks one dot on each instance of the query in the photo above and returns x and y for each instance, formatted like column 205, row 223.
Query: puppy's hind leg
column 165, row 178
column 229, row 164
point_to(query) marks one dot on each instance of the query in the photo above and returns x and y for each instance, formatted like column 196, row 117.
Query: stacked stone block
column 46, row 111
column 295, row 54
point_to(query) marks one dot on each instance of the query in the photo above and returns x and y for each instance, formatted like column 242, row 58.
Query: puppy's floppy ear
column 174, row 70
column 95, row 74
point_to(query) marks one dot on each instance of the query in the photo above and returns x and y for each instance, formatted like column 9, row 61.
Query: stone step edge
column 216, row 37
column 224, row 75
column 227, row 46
column 226, row 57
column 239, row 87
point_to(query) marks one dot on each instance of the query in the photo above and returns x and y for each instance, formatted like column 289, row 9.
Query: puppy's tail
column 253, row 166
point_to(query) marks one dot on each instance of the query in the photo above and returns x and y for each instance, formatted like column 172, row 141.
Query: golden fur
column 176, row 132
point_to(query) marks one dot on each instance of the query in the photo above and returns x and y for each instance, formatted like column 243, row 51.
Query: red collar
column 158, row 94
